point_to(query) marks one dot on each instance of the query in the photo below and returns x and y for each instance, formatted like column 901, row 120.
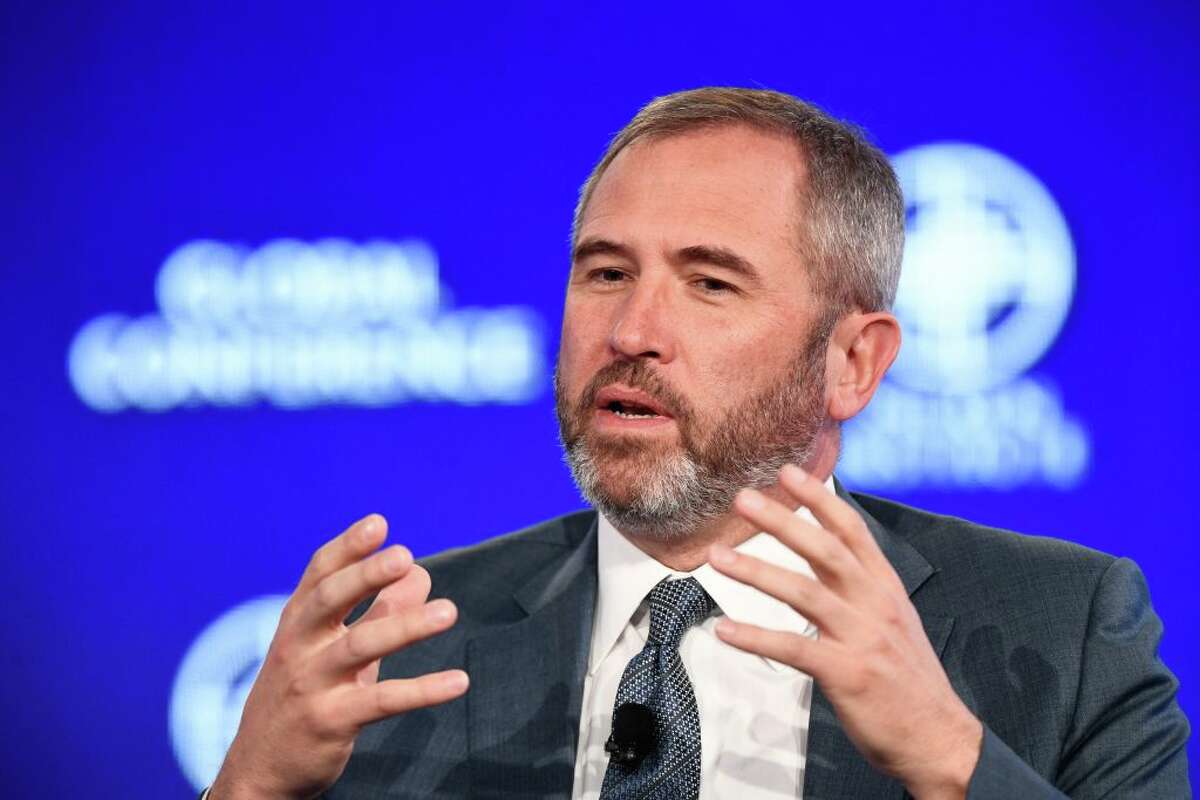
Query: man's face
column 692, row 359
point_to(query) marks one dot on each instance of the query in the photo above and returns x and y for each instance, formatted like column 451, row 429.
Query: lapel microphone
column 632, row 737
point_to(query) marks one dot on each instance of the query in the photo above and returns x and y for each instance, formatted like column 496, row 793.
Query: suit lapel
column 527, row 683
column 834, row 767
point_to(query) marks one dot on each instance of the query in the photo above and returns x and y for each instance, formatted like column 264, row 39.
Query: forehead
column 732, row 183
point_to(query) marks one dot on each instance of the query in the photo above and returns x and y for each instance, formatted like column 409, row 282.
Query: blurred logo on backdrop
column 213, row 682
column 301, row 324
column 987, row 282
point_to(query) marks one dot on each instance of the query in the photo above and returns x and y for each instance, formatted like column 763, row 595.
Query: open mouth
column 627, row 410
column 633, row 405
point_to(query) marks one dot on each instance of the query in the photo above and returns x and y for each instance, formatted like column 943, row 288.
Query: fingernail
column 721, row 555
column 369, row 528
column 795, row 472
column 726, row 628
column 394, row 560
column 751, row 499
column 439, row 611
column 457, row 681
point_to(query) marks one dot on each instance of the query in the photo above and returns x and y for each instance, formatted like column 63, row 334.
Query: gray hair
column 852, row 210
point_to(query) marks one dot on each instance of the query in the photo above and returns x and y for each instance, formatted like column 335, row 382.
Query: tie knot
column 676, row 606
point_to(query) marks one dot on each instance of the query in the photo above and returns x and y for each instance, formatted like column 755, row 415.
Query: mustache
column 636, row 375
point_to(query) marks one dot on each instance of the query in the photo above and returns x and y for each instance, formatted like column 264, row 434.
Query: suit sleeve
column 1128, row 735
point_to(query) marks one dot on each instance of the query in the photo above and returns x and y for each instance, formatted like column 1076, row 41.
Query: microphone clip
column 632, row 737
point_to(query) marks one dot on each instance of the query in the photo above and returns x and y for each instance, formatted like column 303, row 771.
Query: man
column 735, row 254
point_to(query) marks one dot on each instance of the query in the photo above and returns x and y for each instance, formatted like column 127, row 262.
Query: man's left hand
column 872, row 658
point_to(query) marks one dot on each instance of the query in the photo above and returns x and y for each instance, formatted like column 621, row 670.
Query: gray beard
column 677, row 498
column 666, row 494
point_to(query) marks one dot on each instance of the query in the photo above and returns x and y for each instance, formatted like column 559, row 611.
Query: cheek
column 716, row 387
column 728, row 356
column 738, row 368
column 580, row 350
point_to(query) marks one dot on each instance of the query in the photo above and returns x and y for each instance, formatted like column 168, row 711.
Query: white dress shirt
column 753, row 711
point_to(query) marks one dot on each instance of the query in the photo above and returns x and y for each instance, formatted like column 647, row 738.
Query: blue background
column 131, row 129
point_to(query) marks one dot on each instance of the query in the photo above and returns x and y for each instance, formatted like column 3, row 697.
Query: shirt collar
column 626, row 576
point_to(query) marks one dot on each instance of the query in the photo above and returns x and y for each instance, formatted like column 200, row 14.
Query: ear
column 861, row 348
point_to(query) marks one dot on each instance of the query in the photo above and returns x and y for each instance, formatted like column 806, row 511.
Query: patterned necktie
column 656, row 678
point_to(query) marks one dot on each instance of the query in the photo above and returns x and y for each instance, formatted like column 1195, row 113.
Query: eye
column 607, row 275
column 713, row 286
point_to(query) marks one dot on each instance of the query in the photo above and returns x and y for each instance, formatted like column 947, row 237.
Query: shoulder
column 486, row 575
column 982, row 575
column 516, row 552
column 957, row 547
column 1053, row 645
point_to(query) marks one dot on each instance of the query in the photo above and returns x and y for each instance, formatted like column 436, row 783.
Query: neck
column 686, row 553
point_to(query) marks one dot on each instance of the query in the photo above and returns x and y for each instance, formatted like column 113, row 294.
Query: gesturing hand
column 872, row 660
column 318, row 685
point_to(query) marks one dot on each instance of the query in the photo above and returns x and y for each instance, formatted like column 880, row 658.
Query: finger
column 810, row 598
column 411, row 590
column 366, row 642
column 829, row 557
column 366, row 704
column 817, row 657
column 330, row 600
column 351, row 545
column 838, row 517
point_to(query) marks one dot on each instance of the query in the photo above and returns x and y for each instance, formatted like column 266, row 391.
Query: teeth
column 628, row 415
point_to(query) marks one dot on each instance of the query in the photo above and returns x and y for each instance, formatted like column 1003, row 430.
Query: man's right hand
column 319, row 682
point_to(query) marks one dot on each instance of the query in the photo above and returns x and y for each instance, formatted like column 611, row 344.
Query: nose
column 642, row 327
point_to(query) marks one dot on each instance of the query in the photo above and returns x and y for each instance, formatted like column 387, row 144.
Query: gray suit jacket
column 1052, row 645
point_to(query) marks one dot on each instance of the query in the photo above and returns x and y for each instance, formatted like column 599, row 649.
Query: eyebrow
column 714, row 255
column 600, row 247
column 718, row 256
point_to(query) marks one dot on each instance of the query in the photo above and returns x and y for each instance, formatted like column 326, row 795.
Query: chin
column 647, row 491
column 623, row 480
column 623, row 463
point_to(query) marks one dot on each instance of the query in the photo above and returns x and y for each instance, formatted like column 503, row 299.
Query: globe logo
column 989, row 269
column 986, row 285
column 212, row 684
